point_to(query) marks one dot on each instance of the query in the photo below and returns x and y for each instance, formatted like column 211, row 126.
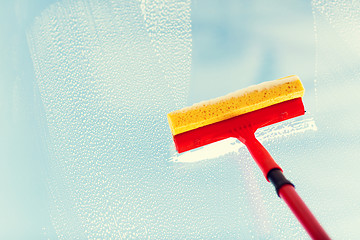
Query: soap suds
column 107, row 73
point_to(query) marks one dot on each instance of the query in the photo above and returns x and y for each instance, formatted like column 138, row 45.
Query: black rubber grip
column 277, row 178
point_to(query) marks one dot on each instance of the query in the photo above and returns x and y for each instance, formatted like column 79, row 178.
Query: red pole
column 284, row 188
column 302, row 212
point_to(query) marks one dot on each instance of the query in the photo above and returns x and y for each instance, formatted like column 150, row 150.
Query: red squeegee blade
column 234, row 126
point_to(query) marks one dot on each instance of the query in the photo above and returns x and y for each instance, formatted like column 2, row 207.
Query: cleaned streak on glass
column 107, row 73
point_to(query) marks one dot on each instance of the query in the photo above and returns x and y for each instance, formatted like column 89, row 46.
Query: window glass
column 85, row 147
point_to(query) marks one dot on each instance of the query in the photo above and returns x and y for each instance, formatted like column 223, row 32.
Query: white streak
column 231, row 145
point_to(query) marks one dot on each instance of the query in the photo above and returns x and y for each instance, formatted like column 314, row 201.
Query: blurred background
column 85, row 150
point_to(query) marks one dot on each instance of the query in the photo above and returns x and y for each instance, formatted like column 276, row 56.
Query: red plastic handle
column 302, row 212
column 287, row 191
column 261, row 156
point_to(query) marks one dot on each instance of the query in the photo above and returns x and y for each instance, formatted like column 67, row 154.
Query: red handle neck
column 261, row 156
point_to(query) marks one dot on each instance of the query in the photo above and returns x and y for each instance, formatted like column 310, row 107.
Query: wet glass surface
column 85, row 149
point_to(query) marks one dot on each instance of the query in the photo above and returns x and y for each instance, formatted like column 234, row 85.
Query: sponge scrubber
column 235, row 104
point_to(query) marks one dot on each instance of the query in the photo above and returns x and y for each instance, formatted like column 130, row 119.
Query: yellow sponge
column 236, row 103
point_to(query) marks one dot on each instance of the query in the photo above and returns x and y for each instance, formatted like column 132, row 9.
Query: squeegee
column 239, row 115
